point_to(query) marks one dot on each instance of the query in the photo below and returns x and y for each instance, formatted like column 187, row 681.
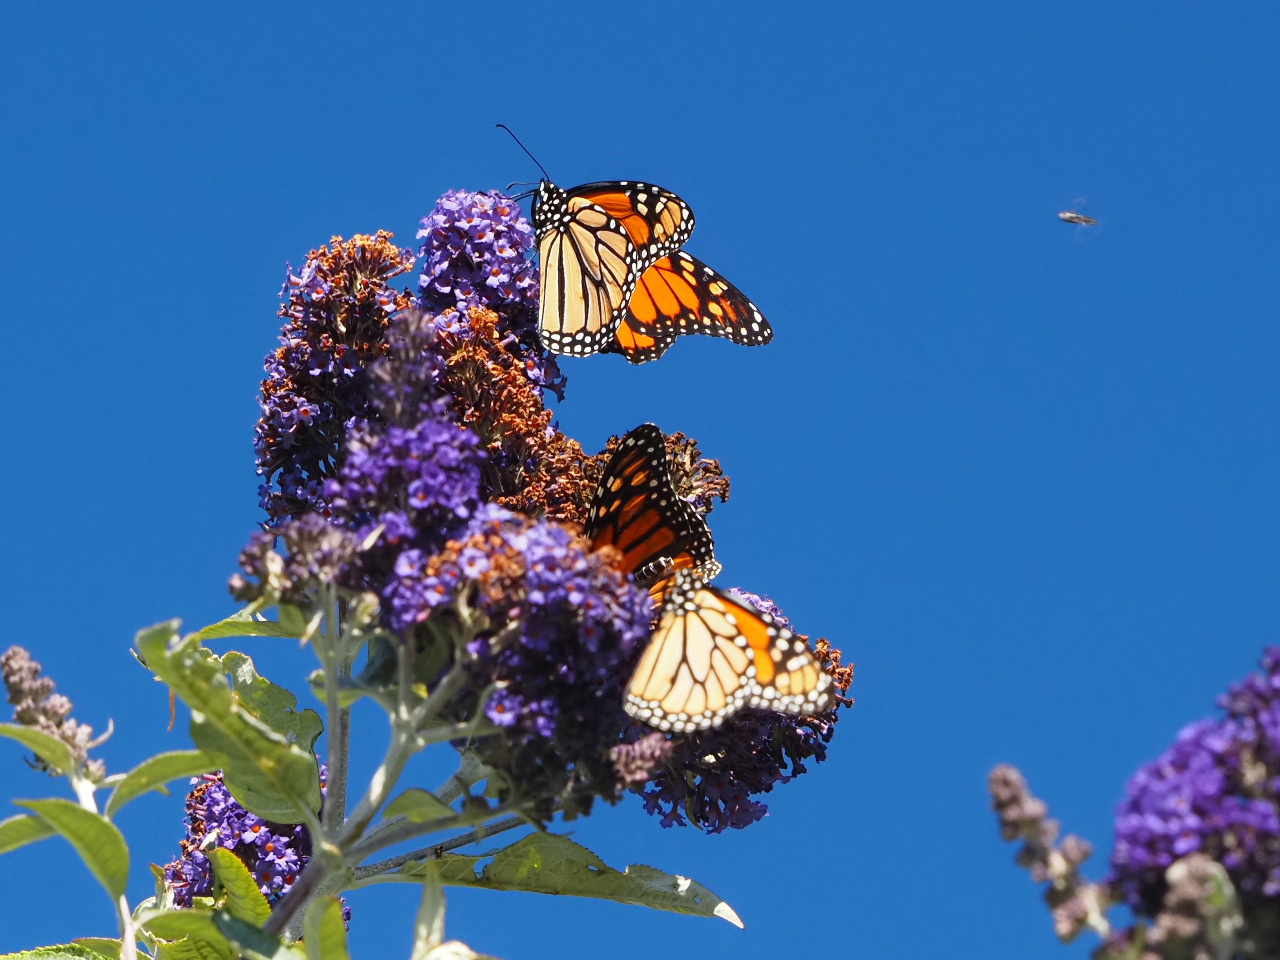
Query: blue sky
column 1022, row 473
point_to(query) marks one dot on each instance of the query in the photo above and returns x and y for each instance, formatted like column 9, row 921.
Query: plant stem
column 404, row 829
column 470, row 772
column 435, row 851
column 403, row 745
column 337, row 718
column 128, row 938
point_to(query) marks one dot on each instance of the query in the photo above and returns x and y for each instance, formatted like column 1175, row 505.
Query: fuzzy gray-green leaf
column 92, row 835
column 324, row 934
column 244, row 900
column 548, row 863
column 419, row 806
column 22, row 829
column 270, row 770
column 154, row 772
column 62, row 951
column 44, row 745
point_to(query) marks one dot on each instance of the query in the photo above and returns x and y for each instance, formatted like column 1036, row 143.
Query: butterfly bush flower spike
column 1197, row 838
column 1216, row 791
column 565, row 627
column 476, row 253
column 336, row 312
column 36, row 704
column 273, row 853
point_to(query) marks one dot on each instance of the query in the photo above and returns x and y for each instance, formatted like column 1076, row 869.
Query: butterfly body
column 614, row 280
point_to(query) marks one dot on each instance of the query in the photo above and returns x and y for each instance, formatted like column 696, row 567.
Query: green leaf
column 244, row 900
column 44, row 745
column 191, row 933
column 154, row 773
column 245, row 624
column 191, row 950
column 93, row 836
column 324, row 934
column 163, row 896
column 274, row 706
column 23, row 829
column 300, row 625
column 63, row 951
column 548, row 863
column 349, row 691
column 419, row 806
column 270, row 770
column 249, row 940
column 102, row 946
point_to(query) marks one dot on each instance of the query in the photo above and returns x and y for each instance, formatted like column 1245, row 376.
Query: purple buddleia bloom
column 314, row 553
column 273, row 853
column 566, row 630
column 419, row 484
column 1215, row 791
column 336, row 310
column 477, row 251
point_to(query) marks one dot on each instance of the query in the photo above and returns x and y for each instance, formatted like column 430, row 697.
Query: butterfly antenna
column 545, row 175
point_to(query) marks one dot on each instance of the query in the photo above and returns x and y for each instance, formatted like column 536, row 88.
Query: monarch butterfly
column 636, row 509
column 614, row 279
column 711, row 655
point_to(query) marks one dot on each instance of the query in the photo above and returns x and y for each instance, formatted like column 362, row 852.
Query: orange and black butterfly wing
column 681, row 294
column 656, row 220
column 586, row 272
column 594, row 242
column 712, row 655
column 636, row 510
column 638, row 346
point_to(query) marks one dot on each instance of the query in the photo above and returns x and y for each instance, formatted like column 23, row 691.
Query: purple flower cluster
column 336, row 311
column 476, row 252
column 274, row 853
column 712, row 776
column 316, row 552
column 418, row 482
column 566, row 628
column 1215, row 791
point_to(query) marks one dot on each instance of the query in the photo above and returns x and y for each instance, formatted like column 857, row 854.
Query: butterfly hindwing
column 711, row 655
column 639, row 346
column 681, row 294
column 636, row 510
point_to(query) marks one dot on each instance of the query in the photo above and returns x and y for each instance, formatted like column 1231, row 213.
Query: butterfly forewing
column 636, row 510
column 585, row 275
column 710, row 655
column 656, row 220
